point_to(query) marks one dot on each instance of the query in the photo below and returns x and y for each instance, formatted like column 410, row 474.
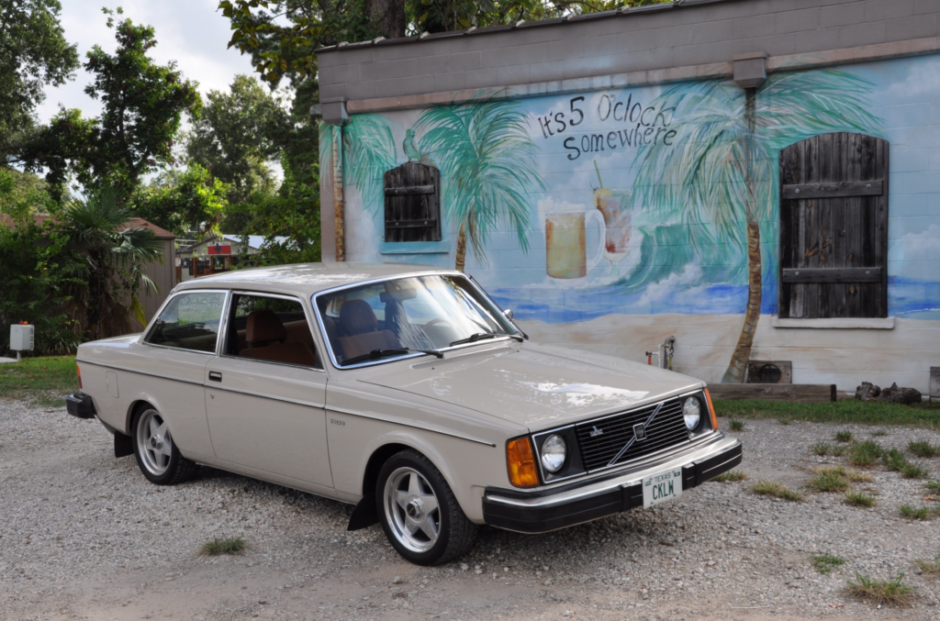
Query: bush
column 38, row 274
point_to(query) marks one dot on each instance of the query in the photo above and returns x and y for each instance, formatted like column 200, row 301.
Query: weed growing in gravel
column 865, row 454
column 859, row 499
column 229, row 545
column 933, row 486
column 858, row 477
column 825, row 562
column 736, row 425
column 919, row 513
column 929, row 567
column 784, row 421
column 881, row 591
column 777, row 490
column 896, row 460
column 732, row 476
column 831, row 479
column 879, row 433
column 821, row 448
column 844, row 436
column 924, row 449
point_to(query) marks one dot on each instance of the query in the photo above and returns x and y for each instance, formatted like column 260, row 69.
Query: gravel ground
column 85, row 536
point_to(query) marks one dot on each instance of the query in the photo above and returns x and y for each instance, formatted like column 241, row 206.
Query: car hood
column 535, row 385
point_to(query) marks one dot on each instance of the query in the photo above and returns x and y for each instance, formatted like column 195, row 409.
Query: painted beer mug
column 566, row 243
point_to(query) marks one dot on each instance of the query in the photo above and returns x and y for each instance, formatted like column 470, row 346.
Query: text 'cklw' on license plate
column 662, row 487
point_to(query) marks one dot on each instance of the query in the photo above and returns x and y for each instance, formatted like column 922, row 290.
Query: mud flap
column 122, row 445
column 364, row 515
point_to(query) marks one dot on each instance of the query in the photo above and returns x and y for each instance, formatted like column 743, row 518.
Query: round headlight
column 692, row 412
column 554, row 450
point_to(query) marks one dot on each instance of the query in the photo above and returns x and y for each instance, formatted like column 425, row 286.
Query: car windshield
column 393, row 318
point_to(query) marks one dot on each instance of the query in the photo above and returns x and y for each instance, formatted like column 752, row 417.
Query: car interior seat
column 358, row 327
column 265, row 336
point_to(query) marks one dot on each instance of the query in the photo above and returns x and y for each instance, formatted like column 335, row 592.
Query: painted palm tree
column 487, row 160
column 361, row 151
column 722, row 168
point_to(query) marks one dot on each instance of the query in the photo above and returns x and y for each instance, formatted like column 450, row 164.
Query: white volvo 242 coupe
column 404, row 390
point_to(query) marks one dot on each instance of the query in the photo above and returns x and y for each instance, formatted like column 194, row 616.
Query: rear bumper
column 80, row 405
column 547, row 510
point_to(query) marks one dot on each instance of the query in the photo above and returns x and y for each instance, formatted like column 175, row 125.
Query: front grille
column 666, row 430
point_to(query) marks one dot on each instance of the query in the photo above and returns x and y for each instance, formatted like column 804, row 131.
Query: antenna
column 598, row 170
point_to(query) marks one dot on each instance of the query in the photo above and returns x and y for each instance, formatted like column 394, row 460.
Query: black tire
column 156, row 453
column 407, row 472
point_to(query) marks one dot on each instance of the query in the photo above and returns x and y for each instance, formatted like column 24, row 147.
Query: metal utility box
column 21, row 337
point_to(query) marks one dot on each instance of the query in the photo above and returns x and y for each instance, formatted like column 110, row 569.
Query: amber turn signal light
column 78, row 370
column 521, row 462
column 711, row 410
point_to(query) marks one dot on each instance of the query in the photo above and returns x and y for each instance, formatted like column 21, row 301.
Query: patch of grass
column 859, row 499
column 831, row 479
column 228, row 545
column 858, row 477
column 845, row 412
column 881, row 592
column 879, row 433
column 736, row 425
column 784, row 421
column 843, row 436
column 916, row 513
column 929, row 567
column 933, row 486
column 821, row 448
column 897, row 461
column 825, row 562
column 44, row 381
column 777, row 490
column 924, row 449
column 865, row 454
column 732, row 476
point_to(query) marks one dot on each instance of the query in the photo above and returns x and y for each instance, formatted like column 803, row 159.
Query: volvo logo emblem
column 639, row 431
column 596, row 432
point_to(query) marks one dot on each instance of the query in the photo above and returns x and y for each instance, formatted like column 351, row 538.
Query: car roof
column 304, row 278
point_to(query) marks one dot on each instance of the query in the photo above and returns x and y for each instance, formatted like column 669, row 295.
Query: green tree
column 114, row 256
column 182, row 201
column 721, row 169
column 33, row 54
column 143, row 107
column 235, row 137
column 282, row 35
column 484, row 151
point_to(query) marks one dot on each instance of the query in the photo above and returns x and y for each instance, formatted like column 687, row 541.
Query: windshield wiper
column 375, row 354
column 476, row 336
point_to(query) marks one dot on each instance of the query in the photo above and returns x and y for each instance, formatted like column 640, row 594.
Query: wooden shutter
column 412, row 203
column 834, row 227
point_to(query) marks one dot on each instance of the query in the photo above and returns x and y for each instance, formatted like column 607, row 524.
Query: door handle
column 215, row 376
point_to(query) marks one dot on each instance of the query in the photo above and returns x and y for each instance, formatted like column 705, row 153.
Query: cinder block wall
column 655, row 38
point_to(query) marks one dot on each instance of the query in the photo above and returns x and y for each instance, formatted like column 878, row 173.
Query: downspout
column 334, row 114
column 339, row 203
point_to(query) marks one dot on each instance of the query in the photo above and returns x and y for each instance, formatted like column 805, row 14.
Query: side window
column 189, row 321
column 271, row 330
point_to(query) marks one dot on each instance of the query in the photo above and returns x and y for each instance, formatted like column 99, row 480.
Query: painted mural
column 650, row 200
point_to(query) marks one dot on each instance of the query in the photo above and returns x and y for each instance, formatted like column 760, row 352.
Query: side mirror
column 508, row 314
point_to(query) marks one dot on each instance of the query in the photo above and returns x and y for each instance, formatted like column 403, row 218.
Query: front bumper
column 542, row 511
column 79, row 404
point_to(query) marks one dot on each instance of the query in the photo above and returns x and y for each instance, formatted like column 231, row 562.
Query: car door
column 173, row 357
column 266, row 392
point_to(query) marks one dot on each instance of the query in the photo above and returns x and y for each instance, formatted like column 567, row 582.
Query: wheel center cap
column 415, row 509
column 156, row 442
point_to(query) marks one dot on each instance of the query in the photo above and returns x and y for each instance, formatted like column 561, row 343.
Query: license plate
column 662, row 487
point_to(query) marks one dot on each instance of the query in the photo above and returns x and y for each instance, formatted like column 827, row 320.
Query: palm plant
column 113, row 261
column 487, row 158
column 361, row 151
column 723, row 167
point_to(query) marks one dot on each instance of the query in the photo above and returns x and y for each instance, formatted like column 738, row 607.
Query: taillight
column 78, row 370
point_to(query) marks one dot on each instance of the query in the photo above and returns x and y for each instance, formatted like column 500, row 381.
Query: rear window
column 189, row 321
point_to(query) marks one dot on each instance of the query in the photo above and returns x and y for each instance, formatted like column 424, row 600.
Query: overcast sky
column 191, row 32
